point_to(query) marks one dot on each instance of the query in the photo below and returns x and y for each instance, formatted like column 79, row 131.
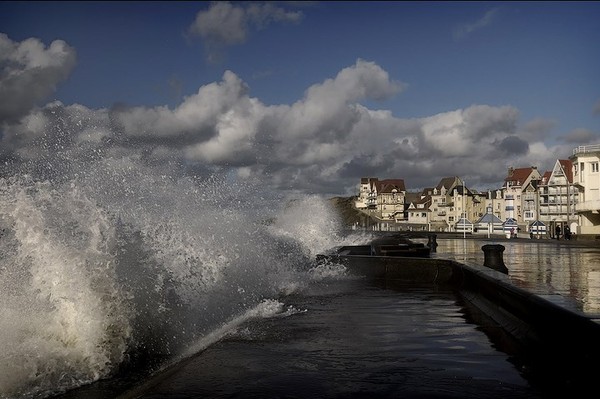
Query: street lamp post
column 464, row 211
column 568, row 196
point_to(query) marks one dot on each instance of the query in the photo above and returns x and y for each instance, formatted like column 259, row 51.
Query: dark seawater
column 348, row 339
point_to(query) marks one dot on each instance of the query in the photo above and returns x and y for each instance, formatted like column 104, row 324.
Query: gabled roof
column 490, row 218
column 546, row 177
column 427, row 191
column 518, row 176
column 424, row 200
column 510, row 222
column 447, row 183
column 463, row 190
column 463, row 221
column 568, row 168
column 412, row 197
column 387, row 185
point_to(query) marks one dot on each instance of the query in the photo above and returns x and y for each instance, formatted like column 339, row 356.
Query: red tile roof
column 568, row 168
column 518, row 176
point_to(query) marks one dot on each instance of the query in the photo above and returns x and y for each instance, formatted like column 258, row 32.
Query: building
column 384, row 199
column 586, row 177
column 558, row 197
column 569, row 194
column 520, row 187
column 494, row 203
column 451, row 200
column 367, row 193
column 418, row 211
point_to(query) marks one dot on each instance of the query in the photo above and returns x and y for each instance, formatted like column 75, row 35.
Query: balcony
column 588, row 206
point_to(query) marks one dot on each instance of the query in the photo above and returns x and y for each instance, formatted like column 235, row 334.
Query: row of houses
column 528, row 201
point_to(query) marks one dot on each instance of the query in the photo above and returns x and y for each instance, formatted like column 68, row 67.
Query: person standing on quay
column 557, row 230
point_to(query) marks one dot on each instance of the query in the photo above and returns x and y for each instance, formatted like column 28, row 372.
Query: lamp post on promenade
column 464, row 210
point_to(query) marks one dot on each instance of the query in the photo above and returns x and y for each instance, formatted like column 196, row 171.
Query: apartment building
column 558, row 197
column 494, row 204
column 586, row 177
column 520, row 187
column 382, row 198
column 367, row 193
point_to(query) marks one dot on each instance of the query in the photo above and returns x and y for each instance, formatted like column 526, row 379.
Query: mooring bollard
column 493, row 257
column 432, row 243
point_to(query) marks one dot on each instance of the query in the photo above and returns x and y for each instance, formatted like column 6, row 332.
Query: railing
column 586, row 148
column 587, row 206
column 557, row 191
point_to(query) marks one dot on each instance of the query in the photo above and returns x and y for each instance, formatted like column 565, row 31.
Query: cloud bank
column 322, row 143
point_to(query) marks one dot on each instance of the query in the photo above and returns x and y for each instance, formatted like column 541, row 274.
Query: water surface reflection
column 542, row 266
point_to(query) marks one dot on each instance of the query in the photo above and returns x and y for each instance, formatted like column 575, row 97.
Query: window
column 594, row 167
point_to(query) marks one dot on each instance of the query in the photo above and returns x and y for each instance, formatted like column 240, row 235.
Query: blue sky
column 442, row 87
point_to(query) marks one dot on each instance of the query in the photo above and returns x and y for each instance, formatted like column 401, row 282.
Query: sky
column 308, row 96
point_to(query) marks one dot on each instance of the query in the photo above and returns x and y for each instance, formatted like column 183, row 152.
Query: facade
column 417, row 214
column 558, row 197
column 367, row 193
column 586, row 177
column 443, row 212
column 382, row 198
column 494, row 203
column 519, row 189
column 567, row 195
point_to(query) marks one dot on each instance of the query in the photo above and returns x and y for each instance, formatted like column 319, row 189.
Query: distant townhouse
column 494, row 203
column 418, row 210
column 558, row 197
column 367, row 193
column 451, row 200
column 519, row 194
column 586, row 177
column 383, row 198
